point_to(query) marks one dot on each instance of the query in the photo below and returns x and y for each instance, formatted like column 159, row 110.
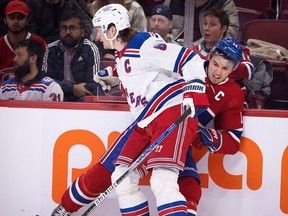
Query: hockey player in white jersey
column 159, row 80
column 30, row 83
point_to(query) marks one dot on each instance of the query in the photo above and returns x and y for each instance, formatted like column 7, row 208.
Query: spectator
column 16, row 19
column 178, row 9
column 215, row 26
column 45, row 16
column 30, row 82
column 73, row 60
column 161, row 22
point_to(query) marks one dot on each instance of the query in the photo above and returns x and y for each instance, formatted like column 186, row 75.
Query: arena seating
column 273, row 31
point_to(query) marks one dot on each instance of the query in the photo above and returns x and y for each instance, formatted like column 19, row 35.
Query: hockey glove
column 105, row 79
column 194, row 96
column 210, row 138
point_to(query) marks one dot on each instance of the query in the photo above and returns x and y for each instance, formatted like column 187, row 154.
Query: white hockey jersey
column 153, row 72
column 45, row 89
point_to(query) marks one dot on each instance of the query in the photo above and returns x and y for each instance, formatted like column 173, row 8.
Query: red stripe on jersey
column 143, row 211
column 165, row 94
column 174, row 209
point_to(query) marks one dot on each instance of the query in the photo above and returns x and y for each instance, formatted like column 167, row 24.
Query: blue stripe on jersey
column 157, row 95
column 237, row 133
column 183, row 57
column 9, row 90
column 204, row 118
column 77, row 196
column 176, row 66
column 135, row 208
column 168, row 98
column 138, row 40
column 173, row 206
column 132, row 55
column 37, row 89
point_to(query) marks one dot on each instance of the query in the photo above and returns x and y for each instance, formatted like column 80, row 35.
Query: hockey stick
column 103, row 195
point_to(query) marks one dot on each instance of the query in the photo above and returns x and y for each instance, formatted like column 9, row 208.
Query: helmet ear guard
column 230, row 48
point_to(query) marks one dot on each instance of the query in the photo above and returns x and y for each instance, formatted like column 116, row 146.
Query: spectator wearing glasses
column 73, row 60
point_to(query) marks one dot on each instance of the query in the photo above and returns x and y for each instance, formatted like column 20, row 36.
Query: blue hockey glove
column 210, row 138
column 194, row 96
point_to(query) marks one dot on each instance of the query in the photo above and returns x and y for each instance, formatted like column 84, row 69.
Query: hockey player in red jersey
column 224, row 113
column 223, row 60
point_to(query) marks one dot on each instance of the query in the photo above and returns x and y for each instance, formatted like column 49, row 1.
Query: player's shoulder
column 9, row 82
column 234, row 90
column 141, row 37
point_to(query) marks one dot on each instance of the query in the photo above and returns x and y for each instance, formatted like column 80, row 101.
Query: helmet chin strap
column 111, row 39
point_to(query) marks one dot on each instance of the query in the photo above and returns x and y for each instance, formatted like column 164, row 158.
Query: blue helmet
column 231, row 48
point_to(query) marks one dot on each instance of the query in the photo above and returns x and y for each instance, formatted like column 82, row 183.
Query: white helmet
column 112, row 13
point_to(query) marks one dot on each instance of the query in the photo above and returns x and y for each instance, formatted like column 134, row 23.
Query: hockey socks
column 175, row 208
column 139, row 210
column 191, row 190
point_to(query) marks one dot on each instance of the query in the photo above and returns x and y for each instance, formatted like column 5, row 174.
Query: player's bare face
column 212, row 30
column 219, row 69
column 16, row 22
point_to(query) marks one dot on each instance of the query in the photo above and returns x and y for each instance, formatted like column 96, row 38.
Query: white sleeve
column 173, row 57
column 53, row 93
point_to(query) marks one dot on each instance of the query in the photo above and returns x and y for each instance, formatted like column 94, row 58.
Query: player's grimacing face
column 219, row 69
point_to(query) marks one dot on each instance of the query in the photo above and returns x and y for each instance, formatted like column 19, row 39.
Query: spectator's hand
column 194, row 96
column 79, row 90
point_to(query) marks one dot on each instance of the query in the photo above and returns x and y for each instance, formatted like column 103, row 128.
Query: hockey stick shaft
column 132, row 167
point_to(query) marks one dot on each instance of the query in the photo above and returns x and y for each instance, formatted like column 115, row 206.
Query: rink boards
column 45, row 146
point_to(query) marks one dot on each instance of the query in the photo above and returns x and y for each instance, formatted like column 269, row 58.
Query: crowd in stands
column 73, row 54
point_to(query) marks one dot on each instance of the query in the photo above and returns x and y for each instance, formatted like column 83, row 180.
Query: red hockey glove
column 210, row 138
column 194, row 96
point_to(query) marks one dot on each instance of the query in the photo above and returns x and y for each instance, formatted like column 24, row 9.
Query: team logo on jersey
column 161, row 46
column 47, row 79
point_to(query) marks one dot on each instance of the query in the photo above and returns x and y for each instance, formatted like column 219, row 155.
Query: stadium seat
column 265, row 7
column 246, row 15
column 273, row 31
column 270, row 30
